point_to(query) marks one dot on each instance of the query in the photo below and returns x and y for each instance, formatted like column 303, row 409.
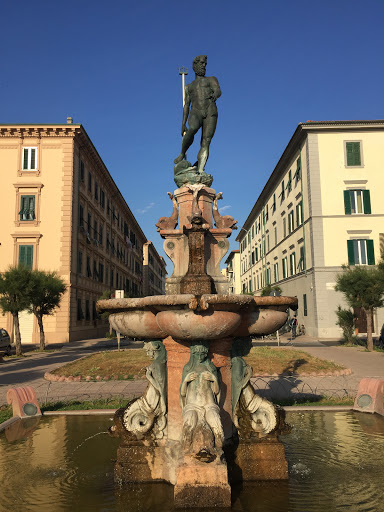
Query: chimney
column 69, row 120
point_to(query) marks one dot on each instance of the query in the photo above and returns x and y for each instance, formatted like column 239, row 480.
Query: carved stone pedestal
column 199, row 484
column 258, row 460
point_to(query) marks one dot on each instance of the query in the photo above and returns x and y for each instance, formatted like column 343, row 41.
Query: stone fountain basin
column 188, row 317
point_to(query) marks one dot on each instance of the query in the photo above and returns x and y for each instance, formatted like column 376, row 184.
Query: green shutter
column 26, row 255
column 347, row 202
column 351, row 252
column 367, row 201
column 25, row 158
column 33, row 159
column 353, row 153
column 370, row 252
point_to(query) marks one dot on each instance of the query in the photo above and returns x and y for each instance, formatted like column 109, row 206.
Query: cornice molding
column 39, row 131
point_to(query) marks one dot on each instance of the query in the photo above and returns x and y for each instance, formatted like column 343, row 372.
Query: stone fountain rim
column 189, row 301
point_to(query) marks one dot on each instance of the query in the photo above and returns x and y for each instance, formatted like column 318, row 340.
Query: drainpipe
column 302, row 212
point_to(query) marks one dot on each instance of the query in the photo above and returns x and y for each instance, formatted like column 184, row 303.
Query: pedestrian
column 293, row 325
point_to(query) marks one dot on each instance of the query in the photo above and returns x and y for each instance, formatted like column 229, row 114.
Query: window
column 290, row 222
column 253, row 257
column 100, row 234
column 79, row 262
column 256, row 254
column 353, row 154
column 274, row 203
column 29, row 159
column 285, row 268
column 276, row 272
column 253, row 231
column 26, row 255
column 268, row 276
column 95, row 232
column 297, row 174
column 305, row 308
column 301, row 264
column 289, row 184
column 87, row 312
column 299, row 214
column 275, row 235
column 96, row 191
column 89, row 181
column 258, row 283
column 80, row 314
column 266, row 213
column 89, row 223
column 357, row 201
column 284, row 227
column 282, row 193
column 250, row 285
column 27, row 208
column 89, row 272
column 292, row 263
column 102, row 198
column 360, row 252
column 81, row 216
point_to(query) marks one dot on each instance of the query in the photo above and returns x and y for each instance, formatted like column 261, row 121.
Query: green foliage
column 267, row 290
column 14, row 289
column 345, row 320
column 46, row 291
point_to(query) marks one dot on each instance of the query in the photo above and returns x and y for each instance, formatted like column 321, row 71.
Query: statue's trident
column 183, row 71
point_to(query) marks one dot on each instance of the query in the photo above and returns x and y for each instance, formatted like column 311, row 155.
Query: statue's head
column 199, row 352
column 199, row 65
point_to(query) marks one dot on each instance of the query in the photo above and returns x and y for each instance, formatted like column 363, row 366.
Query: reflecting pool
column 65, row 463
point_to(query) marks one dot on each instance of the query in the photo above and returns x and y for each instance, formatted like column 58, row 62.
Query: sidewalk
column 30, row 371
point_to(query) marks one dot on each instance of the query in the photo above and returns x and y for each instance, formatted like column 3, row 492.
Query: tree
column 45, row 293
column 345, row 320
column 363, row 287
column 267, row 290
column 14, row 296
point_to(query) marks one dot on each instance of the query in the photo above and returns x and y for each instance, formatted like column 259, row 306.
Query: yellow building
column 321, row 207
column 154, row 270
column 62, row 211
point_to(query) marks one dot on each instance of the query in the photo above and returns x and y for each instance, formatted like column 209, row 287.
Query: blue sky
column 113, row 66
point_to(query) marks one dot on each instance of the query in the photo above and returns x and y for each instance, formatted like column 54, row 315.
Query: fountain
column 199, row 426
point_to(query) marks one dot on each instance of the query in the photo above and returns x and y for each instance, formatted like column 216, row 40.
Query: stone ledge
column 335, row 373
column 80, row 378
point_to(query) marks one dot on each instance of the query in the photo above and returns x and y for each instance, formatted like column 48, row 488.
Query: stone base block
column 263, row 460
column 202, row 485
column 370, row 396
column 140, row 463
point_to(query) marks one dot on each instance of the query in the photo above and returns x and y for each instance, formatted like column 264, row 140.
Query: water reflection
column 335, row 463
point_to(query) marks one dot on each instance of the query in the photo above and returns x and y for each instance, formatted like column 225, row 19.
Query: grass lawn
column 131, row 363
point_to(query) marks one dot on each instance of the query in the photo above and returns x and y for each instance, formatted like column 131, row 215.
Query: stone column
column 177, row 357
column 220, row 354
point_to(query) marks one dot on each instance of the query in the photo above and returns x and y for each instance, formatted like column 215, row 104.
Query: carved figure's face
column 200, row 353
column 199, row 65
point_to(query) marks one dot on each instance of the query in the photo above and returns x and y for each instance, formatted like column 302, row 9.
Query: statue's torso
column 199, row 391
column 202, row 96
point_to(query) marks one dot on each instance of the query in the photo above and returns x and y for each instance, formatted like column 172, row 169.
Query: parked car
column 5, row 341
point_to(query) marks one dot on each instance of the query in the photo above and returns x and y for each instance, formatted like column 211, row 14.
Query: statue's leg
column 208, row 131
column 190, row 419
column 212, row 416
column 194, row 123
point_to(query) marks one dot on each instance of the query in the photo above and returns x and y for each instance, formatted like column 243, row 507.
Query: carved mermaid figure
column 199, row 395
column 140, row 415
column 262, row 413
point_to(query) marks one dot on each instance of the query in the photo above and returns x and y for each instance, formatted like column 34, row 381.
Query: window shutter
column 25, row 158
column 370, row 252
column 347, row 202
column 353, row 153
column 26, row 255
column 351, row 252
column 33, row 158
column 367, row 201
column 22, row 255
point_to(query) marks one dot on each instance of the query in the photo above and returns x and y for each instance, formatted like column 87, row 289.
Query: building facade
column 233, row 272
column 154, row 270
column 321, row 208
column 62, row 211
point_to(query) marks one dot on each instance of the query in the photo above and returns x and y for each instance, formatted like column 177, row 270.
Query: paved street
column 29, row 371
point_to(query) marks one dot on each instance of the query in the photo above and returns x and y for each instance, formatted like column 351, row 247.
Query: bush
column 345, row 320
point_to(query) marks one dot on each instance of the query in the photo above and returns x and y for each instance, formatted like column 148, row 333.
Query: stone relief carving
column 202, row 433
column 169, row 222
column 260, row 414
column 222, row 221
column 150, row 410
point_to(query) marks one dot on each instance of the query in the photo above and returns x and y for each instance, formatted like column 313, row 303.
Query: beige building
column 232, row 271
column 321, row 207
column 154, row 270
column 62, row 211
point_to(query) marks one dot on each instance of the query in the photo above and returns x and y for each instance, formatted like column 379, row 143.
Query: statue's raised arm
column 200, row 111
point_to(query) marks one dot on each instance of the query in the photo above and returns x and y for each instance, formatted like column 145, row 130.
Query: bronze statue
column 202, row 93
